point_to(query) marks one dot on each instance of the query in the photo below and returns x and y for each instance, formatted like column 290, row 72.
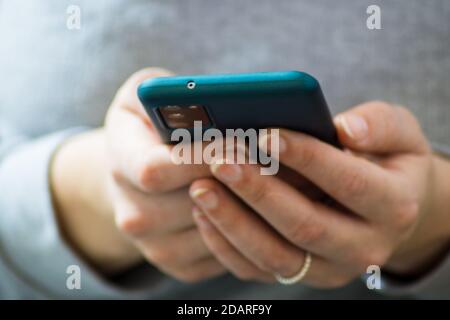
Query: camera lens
column 184, row 116
column 177, row 115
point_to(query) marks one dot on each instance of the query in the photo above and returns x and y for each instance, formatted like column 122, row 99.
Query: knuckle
column 135, row 224
column 221, row 248
column 381, row 106
column 384, row 105
column 306, row 232
column 385, row 113
column 256, row 193
column 386, row 119
column 273, row 266
column 276, row 263
column 223, row 221
column 305, row 157
column 160, row 256
column 406, row 115
column 150, row 179
column 353, row 183
column 406, row 215
column 404, row 112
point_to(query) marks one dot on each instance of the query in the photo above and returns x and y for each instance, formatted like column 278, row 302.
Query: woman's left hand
column 387, row 189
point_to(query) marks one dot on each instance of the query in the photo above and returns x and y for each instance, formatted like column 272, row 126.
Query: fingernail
column 196, row 212
column 265, row 142
column 354, row 126
column 226, row 172
column 206, row 198
column 200, row 217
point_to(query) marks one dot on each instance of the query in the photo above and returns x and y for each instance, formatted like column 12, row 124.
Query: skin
column 121, row 200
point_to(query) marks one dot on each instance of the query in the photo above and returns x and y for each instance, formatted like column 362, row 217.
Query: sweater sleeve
column 30, row 242
column 433, row 285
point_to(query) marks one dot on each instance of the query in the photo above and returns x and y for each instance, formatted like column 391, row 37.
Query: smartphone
column 288, row 99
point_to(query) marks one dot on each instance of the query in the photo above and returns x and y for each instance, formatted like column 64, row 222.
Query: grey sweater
column 55, row 82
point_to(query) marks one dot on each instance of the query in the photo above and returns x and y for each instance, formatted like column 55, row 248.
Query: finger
column 379, row 127
column 180, row 249
column 126, row 96
column 306, row 224
column 237, row 264
column 360, row 185
column 251, row 236
column 299, row 182
column 139, row 155
column 143, row 215
column 199, row 271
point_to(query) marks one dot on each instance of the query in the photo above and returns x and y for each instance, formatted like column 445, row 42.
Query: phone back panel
column 290, row 99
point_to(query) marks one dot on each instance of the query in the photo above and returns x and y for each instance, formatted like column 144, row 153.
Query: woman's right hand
column 149, row 193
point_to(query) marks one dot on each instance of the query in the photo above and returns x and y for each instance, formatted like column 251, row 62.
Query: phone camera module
column 184, row 116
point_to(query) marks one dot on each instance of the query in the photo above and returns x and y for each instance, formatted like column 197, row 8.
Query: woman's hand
column 120, row 198
column 150, row 193
column 390, row 204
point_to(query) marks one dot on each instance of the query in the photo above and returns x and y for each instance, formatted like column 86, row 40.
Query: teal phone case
column 290, row 99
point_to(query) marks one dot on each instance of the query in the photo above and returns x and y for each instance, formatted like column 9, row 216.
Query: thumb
column 379, row 127
column 126, row 96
